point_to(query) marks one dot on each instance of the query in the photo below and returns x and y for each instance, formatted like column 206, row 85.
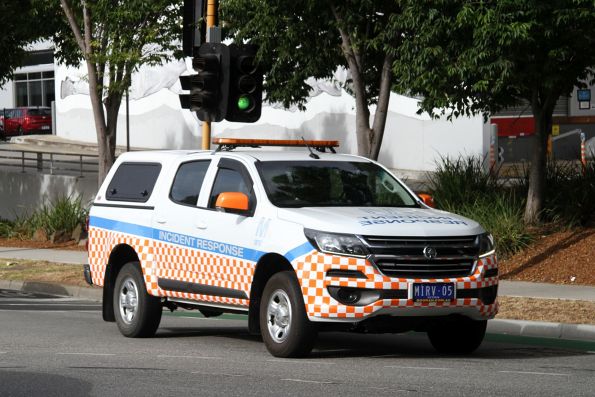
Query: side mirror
column 232, row 202
column 427, row 199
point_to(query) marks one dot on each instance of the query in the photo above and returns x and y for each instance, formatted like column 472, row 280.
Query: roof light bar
column 232, row 143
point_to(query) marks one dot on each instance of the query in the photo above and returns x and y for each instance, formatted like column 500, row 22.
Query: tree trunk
column 381, row 108
column 537, row 170
column 100, row 127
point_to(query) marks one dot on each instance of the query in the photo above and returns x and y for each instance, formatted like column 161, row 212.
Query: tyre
column 459, row 335
column 137, row 313
column 286, row 330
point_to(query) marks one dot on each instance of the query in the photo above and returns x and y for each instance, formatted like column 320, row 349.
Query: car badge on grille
column 430, row 252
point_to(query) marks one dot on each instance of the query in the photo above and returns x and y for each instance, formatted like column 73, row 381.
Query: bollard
column 583, row 153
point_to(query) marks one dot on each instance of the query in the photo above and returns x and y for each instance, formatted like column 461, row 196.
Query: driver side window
column 230, row 178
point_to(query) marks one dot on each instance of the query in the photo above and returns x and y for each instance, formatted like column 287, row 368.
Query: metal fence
column 47, row 161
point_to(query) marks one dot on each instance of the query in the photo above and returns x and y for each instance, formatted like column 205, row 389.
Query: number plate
column 433, row 292
column 45, row 127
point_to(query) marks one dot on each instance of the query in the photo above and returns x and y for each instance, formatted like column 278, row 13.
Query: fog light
column 354, row 296
column 348, row 296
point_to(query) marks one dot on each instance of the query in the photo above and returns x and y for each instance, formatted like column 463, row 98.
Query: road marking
column 309, row 381
column 387, row 356
column 218, row 374
column 300, row 362
column 533, row 373
column 86, row 354
column 428, row 368
column 192, row 357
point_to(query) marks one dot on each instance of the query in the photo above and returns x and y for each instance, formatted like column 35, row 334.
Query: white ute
column 301, row 241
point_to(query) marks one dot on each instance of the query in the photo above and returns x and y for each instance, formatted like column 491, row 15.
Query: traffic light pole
column 211, row 18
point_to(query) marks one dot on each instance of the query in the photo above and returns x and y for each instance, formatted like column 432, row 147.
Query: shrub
column 502, row 215
column 456, row 182
column 63, row 214
column 570, row 193
column 463, row 187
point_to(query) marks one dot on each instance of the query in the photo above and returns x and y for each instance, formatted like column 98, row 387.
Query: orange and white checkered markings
column 175, row 263
column 311, row 272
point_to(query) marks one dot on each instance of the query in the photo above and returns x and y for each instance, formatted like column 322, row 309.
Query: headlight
column 486, row 244
column 332, row 243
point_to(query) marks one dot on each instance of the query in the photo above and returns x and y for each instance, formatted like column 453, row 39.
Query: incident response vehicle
column 301, row 240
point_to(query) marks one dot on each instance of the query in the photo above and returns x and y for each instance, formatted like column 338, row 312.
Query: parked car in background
column 25, row 121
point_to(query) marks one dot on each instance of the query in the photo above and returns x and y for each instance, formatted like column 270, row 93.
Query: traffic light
column 208, row 88
column 245, row 85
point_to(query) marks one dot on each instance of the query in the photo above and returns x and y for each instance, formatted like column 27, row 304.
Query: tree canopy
column 313, row 38
column 20, row 24
column 466, row 57
column 114, row 38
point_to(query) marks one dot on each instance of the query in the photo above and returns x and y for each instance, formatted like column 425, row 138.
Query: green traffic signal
column 244, row 103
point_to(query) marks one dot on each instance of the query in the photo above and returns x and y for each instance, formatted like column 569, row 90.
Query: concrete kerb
column 538, row 329
column 87, row 293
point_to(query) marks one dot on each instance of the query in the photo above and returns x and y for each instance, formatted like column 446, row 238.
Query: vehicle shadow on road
column 416, row 345
column 350, row 345
column 240, row 333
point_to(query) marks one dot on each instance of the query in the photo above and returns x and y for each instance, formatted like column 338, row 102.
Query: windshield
column 331, row 184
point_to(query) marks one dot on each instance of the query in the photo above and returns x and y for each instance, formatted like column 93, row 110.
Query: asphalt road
column 60, row 346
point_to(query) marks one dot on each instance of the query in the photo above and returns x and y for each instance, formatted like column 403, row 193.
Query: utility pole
column 211, row 20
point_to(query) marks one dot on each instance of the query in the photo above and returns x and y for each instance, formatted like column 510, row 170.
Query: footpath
column 580, row 332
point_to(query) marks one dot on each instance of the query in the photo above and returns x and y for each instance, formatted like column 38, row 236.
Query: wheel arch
column 121, row 254
column 267, row 266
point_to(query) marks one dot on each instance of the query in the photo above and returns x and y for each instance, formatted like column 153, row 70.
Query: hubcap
column 128, row 301
column 279, row 316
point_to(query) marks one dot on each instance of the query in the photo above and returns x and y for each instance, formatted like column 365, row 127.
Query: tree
column 481, row 56
column 312, row 38
column 114, row 38
column 19, row 26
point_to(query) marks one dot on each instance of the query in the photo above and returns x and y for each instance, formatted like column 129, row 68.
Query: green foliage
column 502, row 215
column 472, row 57
column 301, row 39
column 569, row 193
column 124, row 36
column 456, row 182
column 20, row 24
column 63, row 214
column 462, row 186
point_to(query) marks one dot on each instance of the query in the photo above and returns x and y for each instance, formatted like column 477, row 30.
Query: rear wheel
column 459, row 335
column 285, row 327
column 137, row 313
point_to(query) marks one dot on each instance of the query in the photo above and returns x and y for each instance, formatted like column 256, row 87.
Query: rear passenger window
column 133, row 182
column 188, row 182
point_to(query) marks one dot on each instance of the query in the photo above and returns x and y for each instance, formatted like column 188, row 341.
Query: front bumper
column 476, row 294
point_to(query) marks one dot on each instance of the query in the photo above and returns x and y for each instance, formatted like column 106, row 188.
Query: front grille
column 404, row 256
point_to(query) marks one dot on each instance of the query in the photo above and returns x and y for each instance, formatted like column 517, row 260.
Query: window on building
column 34, row 89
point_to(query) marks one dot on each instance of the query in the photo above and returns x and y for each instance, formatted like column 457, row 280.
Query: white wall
column 23, row 193
column 411, row 141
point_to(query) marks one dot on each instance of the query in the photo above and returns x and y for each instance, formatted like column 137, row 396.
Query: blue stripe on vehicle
column 303, row 249
column 119, row 226
column 177, row 238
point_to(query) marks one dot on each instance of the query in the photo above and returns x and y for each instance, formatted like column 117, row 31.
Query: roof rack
column 232, row 143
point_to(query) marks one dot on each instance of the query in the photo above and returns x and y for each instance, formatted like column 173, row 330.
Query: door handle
column 160, row 220
column 201, row 225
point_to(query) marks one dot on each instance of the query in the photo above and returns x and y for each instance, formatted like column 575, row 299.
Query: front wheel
column 137, row 313
column 459, row 335
column 285, row 327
